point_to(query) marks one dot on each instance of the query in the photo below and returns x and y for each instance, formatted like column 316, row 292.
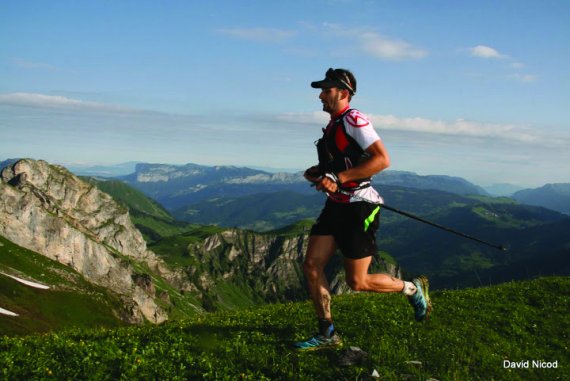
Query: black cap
column 337, row 78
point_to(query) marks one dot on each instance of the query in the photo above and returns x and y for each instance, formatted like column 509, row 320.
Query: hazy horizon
column 126, row 168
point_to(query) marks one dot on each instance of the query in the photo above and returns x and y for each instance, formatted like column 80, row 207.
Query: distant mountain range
column 176, row 187
column 450, row 184
column 552, row 196
column 179, row 187
column 189, row 190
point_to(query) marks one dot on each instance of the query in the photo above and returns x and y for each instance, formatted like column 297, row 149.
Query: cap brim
column 325, row 83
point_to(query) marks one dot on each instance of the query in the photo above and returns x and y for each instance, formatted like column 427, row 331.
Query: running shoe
column 421, row 300
column 318, row 342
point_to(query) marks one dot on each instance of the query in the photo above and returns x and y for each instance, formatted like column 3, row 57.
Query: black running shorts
column 353, row 226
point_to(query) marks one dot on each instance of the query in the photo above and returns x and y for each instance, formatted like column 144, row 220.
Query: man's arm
column 378, row 161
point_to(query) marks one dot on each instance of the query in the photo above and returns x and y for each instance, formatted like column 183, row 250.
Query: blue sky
column 476, row 89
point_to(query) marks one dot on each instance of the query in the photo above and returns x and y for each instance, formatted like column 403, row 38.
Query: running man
column 350, row 153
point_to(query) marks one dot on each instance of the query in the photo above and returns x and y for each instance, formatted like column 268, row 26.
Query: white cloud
column 385, row 48
column 376, row 45
column 459, row 127
column 317, row 117
column 516, row 67
column 271, row 35
column 366, row 40
column 57, row 102
column 483, row 51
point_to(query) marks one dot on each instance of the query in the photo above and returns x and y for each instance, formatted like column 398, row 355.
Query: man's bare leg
column 319, row 252
column 417, row 291
column 358, row 278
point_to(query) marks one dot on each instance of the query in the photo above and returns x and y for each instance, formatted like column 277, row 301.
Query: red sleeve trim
column 356, row 119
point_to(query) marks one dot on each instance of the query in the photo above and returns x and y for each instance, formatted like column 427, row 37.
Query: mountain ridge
column 555, row 196
column 48, row 210
column 175, row 187
column 197, row 191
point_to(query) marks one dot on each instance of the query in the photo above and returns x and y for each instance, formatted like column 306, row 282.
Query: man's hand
column 313, row 174
column 329, row 183
column 325, row 182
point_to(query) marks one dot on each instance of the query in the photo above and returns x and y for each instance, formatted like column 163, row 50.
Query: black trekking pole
column 498, row 247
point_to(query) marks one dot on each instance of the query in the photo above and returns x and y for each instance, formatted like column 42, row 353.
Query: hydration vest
column 338, row 152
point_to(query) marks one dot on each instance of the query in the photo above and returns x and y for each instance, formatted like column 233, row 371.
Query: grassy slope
column 71, row 301
column 150, row 218
column 130, row 197
column 259, row 212
column 470, row 335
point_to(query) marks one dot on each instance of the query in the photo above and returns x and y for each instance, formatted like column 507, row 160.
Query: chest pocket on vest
column 326, row 158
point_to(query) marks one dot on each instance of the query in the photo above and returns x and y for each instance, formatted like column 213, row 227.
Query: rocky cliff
column 46, row 209
column 270, row 264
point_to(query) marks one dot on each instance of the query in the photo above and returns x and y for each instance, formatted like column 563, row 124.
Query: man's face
column 331, row 97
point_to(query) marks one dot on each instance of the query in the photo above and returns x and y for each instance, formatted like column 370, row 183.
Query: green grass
column 130, row 197
column 471, row 333
column 174, row 249
column 293, row 230
column 387, row 258
column 70, row 302
column 149, row 217
column 154, row 228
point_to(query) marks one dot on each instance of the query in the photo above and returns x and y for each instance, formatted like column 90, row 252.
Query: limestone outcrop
column 47, row 209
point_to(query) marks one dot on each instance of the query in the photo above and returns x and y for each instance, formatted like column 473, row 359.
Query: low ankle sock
column 409, row 288
column 326, row 327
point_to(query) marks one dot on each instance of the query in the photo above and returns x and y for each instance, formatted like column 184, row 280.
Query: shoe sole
column 338, row 344
column 425, row 288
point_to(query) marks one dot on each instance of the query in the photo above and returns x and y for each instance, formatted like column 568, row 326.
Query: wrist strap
column 333, row 177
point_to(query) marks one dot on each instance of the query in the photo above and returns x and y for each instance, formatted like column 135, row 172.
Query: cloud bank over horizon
column 91, row 128
column 458, row 127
